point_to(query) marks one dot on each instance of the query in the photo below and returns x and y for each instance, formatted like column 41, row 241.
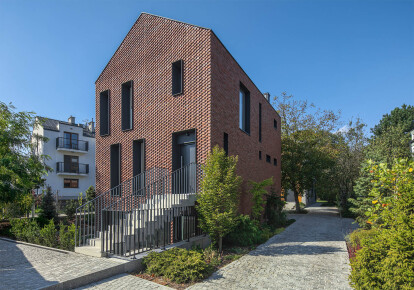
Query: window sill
column 126, row 130
column 244, row 131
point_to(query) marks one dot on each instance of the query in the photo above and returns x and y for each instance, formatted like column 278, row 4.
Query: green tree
column 306, row 143
column 90, row 193
column 48, row 205
column 258, row 191
column 217, row 202
column 20, row 170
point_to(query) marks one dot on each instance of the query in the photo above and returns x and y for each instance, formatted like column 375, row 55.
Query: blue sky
column 352, row 56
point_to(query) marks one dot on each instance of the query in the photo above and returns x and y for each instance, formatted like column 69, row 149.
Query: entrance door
column 184, row 158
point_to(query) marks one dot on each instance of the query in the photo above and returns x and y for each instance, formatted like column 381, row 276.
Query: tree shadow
column 18, row 267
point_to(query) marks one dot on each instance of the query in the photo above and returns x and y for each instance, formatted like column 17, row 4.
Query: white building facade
column 71, row 148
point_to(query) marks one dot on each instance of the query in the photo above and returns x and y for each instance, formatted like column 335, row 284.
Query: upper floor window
column 226, row 143
column 244, row 109
column 267, row 158
column 70, row 140
column 104, row 113
column 260, row 122
column 127, row 105
column 274, row 123
column 177, row 77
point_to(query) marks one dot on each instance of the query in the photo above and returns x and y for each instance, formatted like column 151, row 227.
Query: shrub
column 48, row 205
column 67, row 237
column 274, row 213
column 179, row 265
column 258, row 191
column 26, row 230
column 211, row 256
column 218, row 200
column 246, row 233
column 70, row 209
column 90, row 193
column 386, row 259
column 48, row 235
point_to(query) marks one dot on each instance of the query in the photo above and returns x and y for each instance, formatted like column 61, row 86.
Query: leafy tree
column 219, row 196
column 258, row 191
column 90, row 193
column 306, row 143
column 20, row 170
column 48, row 205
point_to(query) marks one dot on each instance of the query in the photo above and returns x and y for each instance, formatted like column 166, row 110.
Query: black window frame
column 226, row 143
column 260, row 155
column 177, row 77
column 268, row 158
column 246, row 109
column 260, row 122
column 274, row 161
column 70, row 182
column 115, row 173
column 127, row 106
column 104, row 113
column 275, row 124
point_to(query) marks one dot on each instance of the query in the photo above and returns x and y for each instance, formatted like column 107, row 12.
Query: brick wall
column 226, row 78
column 145, row 56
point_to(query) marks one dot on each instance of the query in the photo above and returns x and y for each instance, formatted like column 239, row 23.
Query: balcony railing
column 64, row 143
column 77, row 168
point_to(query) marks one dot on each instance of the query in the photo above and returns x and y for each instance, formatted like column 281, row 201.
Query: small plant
column 246, row 233
column 258, row 191
column 67, row 237
column 178, row 265
column 274, row 213
column 211, row 256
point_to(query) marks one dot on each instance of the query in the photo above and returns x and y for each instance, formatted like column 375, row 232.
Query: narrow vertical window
column 244, row 109
column 115, row 168
column 138, row 157
column 267, row 158
column 274, row 123
column 127, row 105
column 274, row 161
column 260, row 155
column 226, row 143
column 104, row 113
column 177, row 77
column 260, row 122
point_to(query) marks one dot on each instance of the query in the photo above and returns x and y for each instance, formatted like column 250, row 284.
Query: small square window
column 70, row 183
column 260, row 155
column 274, row 161
column 267, row 158
column 275, row 123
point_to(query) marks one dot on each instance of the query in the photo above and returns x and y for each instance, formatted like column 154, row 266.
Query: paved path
column 309, row 254
column 124, row 281
column 29, row 267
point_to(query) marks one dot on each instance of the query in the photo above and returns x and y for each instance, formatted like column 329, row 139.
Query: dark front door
column 184, row 158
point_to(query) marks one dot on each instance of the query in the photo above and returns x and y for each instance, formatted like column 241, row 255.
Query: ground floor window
column 70, row 183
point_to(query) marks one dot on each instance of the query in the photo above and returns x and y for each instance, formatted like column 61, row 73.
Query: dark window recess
column 70, row 183
column 70, row 140
column 260, row 155
column 226, row 143
column 115, row 168
column 267, row 158
column 138, row 157
column 260, row 122
column 275, row 123
column 177, row 77
column 127, row 105
column 244, row 109
column 71, row 163
column 104, row 113
column 274, row 161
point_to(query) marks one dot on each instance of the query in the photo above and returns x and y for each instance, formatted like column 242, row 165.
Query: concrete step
column 90, row 251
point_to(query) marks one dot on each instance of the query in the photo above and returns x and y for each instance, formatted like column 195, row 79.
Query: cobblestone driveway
column 309, row 254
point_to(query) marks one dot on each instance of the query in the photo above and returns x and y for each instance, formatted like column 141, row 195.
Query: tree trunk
column 220, row 244
column 296, row 194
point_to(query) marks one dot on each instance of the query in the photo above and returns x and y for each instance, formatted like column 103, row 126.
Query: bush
column 48, row 235
column 386, row 259
column 67, row 237
column 274, row 213
column 70, row 209
column 178, row 265
column 259, row 192
column 26, row 230
column 246, row 233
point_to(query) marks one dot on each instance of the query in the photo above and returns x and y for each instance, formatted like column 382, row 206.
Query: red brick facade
column 209, row 103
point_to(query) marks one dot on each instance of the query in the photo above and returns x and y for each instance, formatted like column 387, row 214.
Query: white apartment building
column 71, row 148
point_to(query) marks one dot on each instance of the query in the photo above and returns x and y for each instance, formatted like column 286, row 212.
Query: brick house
column 169, row 94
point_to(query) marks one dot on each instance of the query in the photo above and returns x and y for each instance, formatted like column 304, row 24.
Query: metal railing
column 68, row 144
column 151, row 210
column 88, row 215
column 78, row 168
column 159, row 214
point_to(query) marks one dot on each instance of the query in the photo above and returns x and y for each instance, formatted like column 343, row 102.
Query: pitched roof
column 53, row 125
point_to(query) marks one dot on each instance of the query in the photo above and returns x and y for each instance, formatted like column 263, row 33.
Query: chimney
column 71, row 120
column 91, row 126
column 267, row 96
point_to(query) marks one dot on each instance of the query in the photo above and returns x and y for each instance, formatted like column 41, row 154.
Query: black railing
column 71, row 144
column 151, row 210
column 78, row 168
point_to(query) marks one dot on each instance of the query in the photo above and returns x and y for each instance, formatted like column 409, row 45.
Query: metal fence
column 153, row 209
column 66, row 143
column 78, row 168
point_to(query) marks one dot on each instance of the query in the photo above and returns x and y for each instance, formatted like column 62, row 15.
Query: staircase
column 153, row 209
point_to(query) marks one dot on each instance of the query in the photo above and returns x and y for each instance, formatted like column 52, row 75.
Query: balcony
column 63, row 144
column 63, row 168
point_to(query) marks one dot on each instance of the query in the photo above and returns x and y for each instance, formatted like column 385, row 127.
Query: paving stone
column 124, row 281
